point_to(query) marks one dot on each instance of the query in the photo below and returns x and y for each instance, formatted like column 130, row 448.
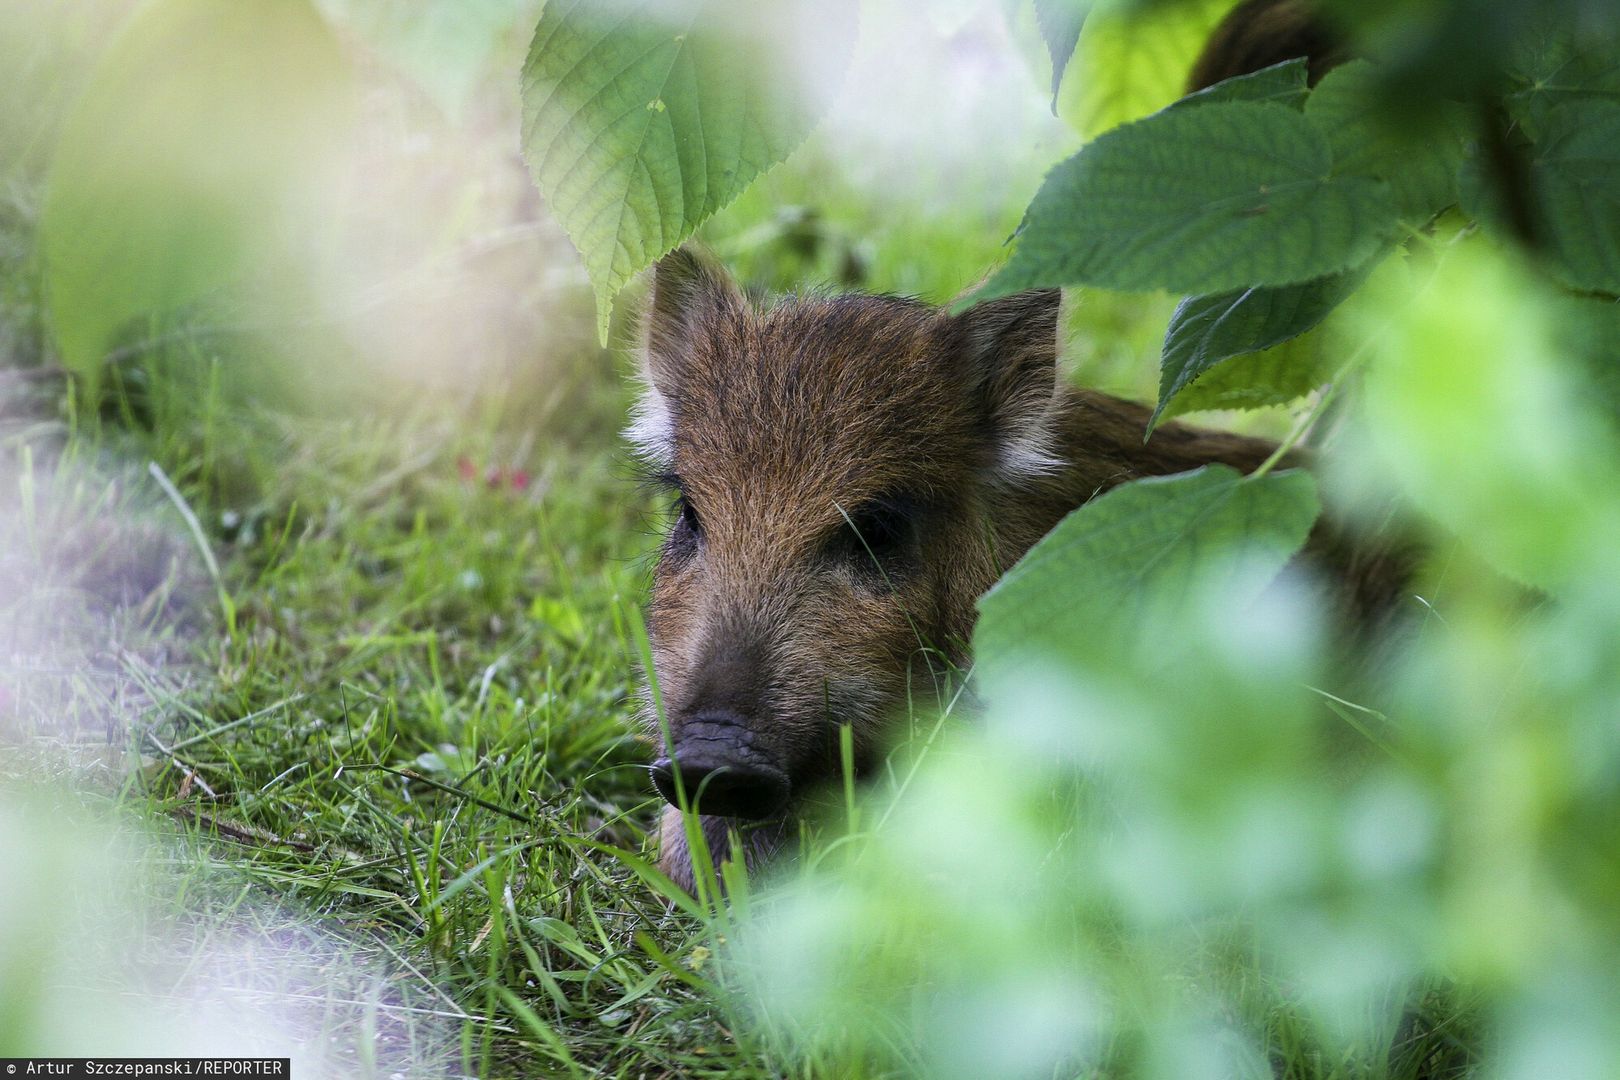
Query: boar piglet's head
column 837, row 465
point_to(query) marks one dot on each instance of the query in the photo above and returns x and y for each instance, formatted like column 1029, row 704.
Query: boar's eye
column 688, row 531
column 877, row 537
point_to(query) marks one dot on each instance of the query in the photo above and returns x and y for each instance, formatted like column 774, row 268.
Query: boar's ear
column 690, row 292
column 1010, row 349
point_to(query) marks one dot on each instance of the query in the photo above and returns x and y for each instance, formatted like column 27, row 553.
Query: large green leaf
column 184, row 167
column 1203, row 200
column 1552, row 68
column 1206, row 330
column 1133, row 59
column 1575, row 175
column 1420, row 165
column 644, row 117
column 1281, row 84
column 1135, row 554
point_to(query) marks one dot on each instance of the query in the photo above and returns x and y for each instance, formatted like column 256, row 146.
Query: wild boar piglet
column 850, row 473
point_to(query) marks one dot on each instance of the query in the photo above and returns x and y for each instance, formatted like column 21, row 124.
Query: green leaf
column 643, row 118
column 1281, row 84
column 1206, row 330
column 1137, row 553
column 1258, row 380
column 1575, row 177
column 1553, row 68
column 1420, row 165
column 1133, row 59
column 183, row 168
column 1060, row 22
column 1199, row 200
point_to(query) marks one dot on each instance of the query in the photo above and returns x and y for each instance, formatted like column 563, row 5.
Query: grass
column 402, row 726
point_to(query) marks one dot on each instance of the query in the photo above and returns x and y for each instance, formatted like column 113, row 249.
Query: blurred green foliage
column 446, row 47
column 196, row 111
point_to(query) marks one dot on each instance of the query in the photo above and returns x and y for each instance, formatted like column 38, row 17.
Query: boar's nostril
column 724, row 788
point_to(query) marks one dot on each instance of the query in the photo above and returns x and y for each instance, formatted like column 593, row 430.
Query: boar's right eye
column 877, row 539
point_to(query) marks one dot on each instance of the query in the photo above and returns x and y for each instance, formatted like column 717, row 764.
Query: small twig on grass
column 189, row 772
column 449, row 789
column 247, row 834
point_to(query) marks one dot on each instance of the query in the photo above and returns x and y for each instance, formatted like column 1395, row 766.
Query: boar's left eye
column 687, row 532
column 877, row 536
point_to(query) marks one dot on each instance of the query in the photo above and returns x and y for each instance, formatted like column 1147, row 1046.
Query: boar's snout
column 722, row 773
